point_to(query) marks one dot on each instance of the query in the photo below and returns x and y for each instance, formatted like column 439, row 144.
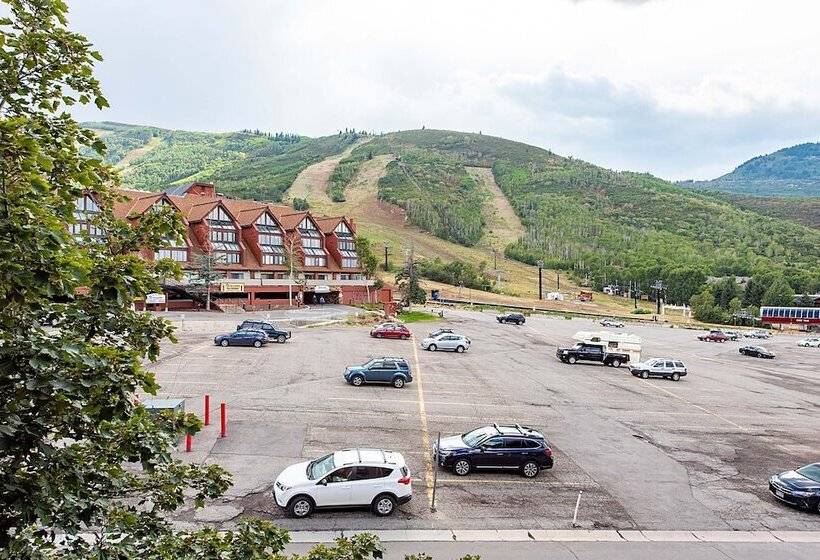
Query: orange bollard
column 207, row 410
column 223, row 417
column 189, row 443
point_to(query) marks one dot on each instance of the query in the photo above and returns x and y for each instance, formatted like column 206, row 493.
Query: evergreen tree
column 779, row 294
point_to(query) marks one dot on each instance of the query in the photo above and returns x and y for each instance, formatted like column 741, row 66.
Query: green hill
column 793, row 171
column 246, row 164
column 602, row 226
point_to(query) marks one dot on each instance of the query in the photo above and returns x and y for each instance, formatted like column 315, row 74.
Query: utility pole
column 495, row 259
column 559, row 281
column 659, row 288
column 540, row 284
column 386, row 265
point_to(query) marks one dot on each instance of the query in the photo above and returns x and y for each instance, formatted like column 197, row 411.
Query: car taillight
column 404, row 480
column 548, row 452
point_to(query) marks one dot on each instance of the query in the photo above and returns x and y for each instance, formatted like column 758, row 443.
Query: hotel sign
column 231, row 287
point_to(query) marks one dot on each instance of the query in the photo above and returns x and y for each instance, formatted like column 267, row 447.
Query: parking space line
column 425, row 434
column 690, row 403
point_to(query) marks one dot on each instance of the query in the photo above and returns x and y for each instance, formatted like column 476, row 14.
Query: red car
column 713, row 336
column 390, row 330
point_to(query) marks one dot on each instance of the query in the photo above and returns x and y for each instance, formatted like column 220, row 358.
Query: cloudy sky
column 680, row 88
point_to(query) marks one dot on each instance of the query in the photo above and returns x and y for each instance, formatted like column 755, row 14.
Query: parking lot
column 647, row 454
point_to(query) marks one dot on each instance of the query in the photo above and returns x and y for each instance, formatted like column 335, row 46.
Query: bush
column 300, row 204
column 457, row 273
column 640, row 311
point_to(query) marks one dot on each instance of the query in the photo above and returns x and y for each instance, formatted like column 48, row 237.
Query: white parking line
column 425, row 434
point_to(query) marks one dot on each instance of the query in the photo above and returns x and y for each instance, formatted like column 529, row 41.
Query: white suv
column 659, row 367
column 348, row 478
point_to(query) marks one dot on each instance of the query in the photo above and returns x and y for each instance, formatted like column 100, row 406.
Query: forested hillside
column 601, row 225
column 249, row 164
column 793, row 171
column 803, row 210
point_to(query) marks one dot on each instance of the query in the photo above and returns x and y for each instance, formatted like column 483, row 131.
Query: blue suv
column 394, row 371
column 495, row 447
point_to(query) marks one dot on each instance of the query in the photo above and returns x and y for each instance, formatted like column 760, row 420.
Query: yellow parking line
column 425, row 433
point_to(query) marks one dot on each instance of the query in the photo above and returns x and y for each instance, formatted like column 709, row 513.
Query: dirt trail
column 138, row 152
column 385, row 223
column 313, row 181
column 503, row 225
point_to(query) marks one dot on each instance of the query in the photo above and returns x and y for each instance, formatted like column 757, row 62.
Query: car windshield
column 320, row 467
column 811, row 471
column 477, row 435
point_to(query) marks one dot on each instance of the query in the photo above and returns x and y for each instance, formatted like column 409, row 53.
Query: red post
column 189, row 443
column 207, row 410
column 223, row 418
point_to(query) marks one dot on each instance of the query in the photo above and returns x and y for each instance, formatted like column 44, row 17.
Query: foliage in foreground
column 85, row 471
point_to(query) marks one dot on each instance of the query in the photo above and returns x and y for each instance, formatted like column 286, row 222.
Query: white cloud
column 682, row 88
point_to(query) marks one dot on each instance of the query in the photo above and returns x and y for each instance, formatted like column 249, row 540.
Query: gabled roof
column 329, row 225
column 292, row 221
column 247, row 211
column 135, row 203
column 178, row 190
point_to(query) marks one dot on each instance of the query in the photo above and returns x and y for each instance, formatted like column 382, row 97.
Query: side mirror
column 322, row 482
column 483, row 448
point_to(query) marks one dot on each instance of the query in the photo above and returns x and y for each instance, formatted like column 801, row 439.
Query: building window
column 312, row 244
column 85, row 210
column 236, row 275
column 347, row 246
column 178, row 254
column 271, row 242
column 223, row 236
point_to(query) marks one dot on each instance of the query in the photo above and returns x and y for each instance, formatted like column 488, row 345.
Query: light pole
column 559, row 281
column 540, row 284
column 386, row 265
column 658, row 287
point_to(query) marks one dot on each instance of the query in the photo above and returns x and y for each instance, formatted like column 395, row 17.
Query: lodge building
column 251, row 241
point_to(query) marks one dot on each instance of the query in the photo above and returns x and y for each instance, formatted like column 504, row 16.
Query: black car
column 516, row 318
column 395, row 371
column 247, row 337
column 269, row 329
column 799, row 488
column 756, row 352
column 495, row 447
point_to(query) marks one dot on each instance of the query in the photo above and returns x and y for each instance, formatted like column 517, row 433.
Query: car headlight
column 444, row 452
column 802, row 493
column 282, row 487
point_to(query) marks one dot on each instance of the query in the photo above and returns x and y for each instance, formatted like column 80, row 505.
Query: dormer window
column 174, row 249
column 271, row 242
column 347, row 246
column 85, row 210
column 223, row 236
column 312, row 244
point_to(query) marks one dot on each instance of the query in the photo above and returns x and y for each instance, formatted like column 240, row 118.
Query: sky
column 684, row 89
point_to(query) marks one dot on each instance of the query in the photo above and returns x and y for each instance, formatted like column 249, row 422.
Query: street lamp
column 540, row 285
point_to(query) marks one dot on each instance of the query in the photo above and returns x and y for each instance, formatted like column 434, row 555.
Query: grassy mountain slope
column 600, row 224
column 803, row 210
column 245, row 164
column 793, row 171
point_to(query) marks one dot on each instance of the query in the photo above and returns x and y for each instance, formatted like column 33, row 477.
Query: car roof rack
column 497, row 429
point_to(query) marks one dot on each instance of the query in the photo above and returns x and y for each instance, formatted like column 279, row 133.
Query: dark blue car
column 394, row 371
column 800, row 487
column 242, row 338
column 495, row 447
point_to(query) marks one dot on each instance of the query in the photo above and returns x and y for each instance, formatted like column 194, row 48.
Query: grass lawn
column 417, row 316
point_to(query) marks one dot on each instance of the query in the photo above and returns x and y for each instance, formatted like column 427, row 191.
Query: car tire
column 398, row 382
column 571, row 360
column 519, row 323
column 223, row 343
column 459, row 349
column 281, row 339
column 432, row 348
column 378, row 335
column 357, row 380
column 615, row 363
column 301, row 507
column 530, row 469
column 676, row 376
column 462, row 467
column 644, row 375
column 404, row 337
column 257, row 344
column 383, row 505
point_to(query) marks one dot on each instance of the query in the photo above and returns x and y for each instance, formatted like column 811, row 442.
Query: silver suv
column 446, row 341
column 667, row 368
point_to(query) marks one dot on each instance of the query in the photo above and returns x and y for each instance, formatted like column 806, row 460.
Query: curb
column 560, row 535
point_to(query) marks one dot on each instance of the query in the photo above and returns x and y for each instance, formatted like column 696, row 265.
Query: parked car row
column 380, row 479
column 253, row 333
